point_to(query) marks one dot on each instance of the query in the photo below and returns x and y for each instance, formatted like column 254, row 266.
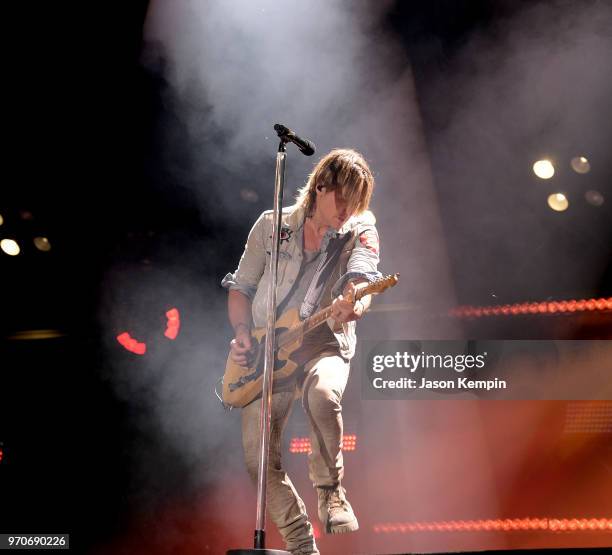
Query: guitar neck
column 303, row 327
column 311, row 322
column 314, row 321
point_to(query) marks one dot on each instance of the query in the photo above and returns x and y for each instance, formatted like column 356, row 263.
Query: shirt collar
column 296, row 216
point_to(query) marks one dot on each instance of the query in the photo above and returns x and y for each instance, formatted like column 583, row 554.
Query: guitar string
column 318, row 318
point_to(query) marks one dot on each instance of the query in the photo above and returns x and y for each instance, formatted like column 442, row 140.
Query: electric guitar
column 242, row 384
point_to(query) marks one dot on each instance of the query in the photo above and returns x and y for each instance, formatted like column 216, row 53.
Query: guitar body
column 240, row 384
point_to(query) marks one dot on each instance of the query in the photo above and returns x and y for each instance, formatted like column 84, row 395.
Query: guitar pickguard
column 260, row 362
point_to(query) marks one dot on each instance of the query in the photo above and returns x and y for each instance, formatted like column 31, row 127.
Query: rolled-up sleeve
column 252, row 262
column 363, row 262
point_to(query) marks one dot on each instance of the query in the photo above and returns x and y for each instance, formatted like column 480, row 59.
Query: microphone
column 306, row 147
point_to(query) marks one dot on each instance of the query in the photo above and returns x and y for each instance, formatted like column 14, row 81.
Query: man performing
column 328, row 250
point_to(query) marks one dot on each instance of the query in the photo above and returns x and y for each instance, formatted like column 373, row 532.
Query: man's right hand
column 240, row 346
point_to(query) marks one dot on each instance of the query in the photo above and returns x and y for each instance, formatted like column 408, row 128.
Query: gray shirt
column 321, row 338
column 296, row 294
column 252, row 275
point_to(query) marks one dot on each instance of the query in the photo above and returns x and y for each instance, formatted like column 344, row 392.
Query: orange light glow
column 131, row 344
column 542, row 307
column 299, row 445
column 302, row 444
column 504, row 525
column 349, row 442
column 173, row 324
column 588, row 417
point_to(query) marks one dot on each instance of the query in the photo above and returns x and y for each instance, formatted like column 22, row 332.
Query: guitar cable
column 225, row 405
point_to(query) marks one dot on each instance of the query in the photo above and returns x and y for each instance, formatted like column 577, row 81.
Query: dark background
column 86, row 124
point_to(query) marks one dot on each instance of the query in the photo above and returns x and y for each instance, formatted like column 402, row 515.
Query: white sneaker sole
column 342, row 528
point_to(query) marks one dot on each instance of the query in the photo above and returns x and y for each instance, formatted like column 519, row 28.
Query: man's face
column 332, row 209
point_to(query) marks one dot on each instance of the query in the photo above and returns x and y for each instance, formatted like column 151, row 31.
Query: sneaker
column 335, row 512
column 310, row 549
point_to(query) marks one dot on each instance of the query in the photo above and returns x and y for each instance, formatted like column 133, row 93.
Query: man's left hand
column 343, row 310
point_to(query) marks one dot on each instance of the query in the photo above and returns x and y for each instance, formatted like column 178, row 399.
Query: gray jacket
column 359, row 239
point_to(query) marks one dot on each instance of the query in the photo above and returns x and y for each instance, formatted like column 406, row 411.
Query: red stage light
column 588, row 417
column 299, row 445
column 131, row 344
column 541, row 307
column 302, row 444
column 505, row 525
column 173, row 324
column 349, row 442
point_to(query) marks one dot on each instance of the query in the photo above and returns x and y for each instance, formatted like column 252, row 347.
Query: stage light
column 544, row 169
column 580, row 164
column 594, row 197
column 299, row 445
column 302, row 444
column 558, row 202
column 173, row 324
column 130, row 344
column 34, row 335
column 1, row 219
column 543, row 307
column 349, row 442
column 500, row 525
column 588, row 417
column 42, row 244
column 10, row 247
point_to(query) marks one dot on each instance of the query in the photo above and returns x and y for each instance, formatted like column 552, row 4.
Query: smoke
column 177, row 426
column 246, row 65
column 535, row 84
column 332, row 72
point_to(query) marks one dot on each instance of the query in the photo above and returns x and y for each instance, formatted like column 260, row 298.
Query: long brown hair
column 344, row 169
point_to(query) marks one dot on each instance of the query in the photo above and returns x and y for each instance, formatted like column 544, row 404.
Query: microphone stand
column 266, row 397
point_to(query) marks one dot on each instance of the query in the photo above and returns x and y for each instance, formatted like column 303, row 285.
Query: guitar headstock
column 379, row 285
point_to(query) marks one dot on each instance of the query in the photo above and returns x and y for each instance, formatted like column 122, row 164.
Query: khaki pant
column 322, row 384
